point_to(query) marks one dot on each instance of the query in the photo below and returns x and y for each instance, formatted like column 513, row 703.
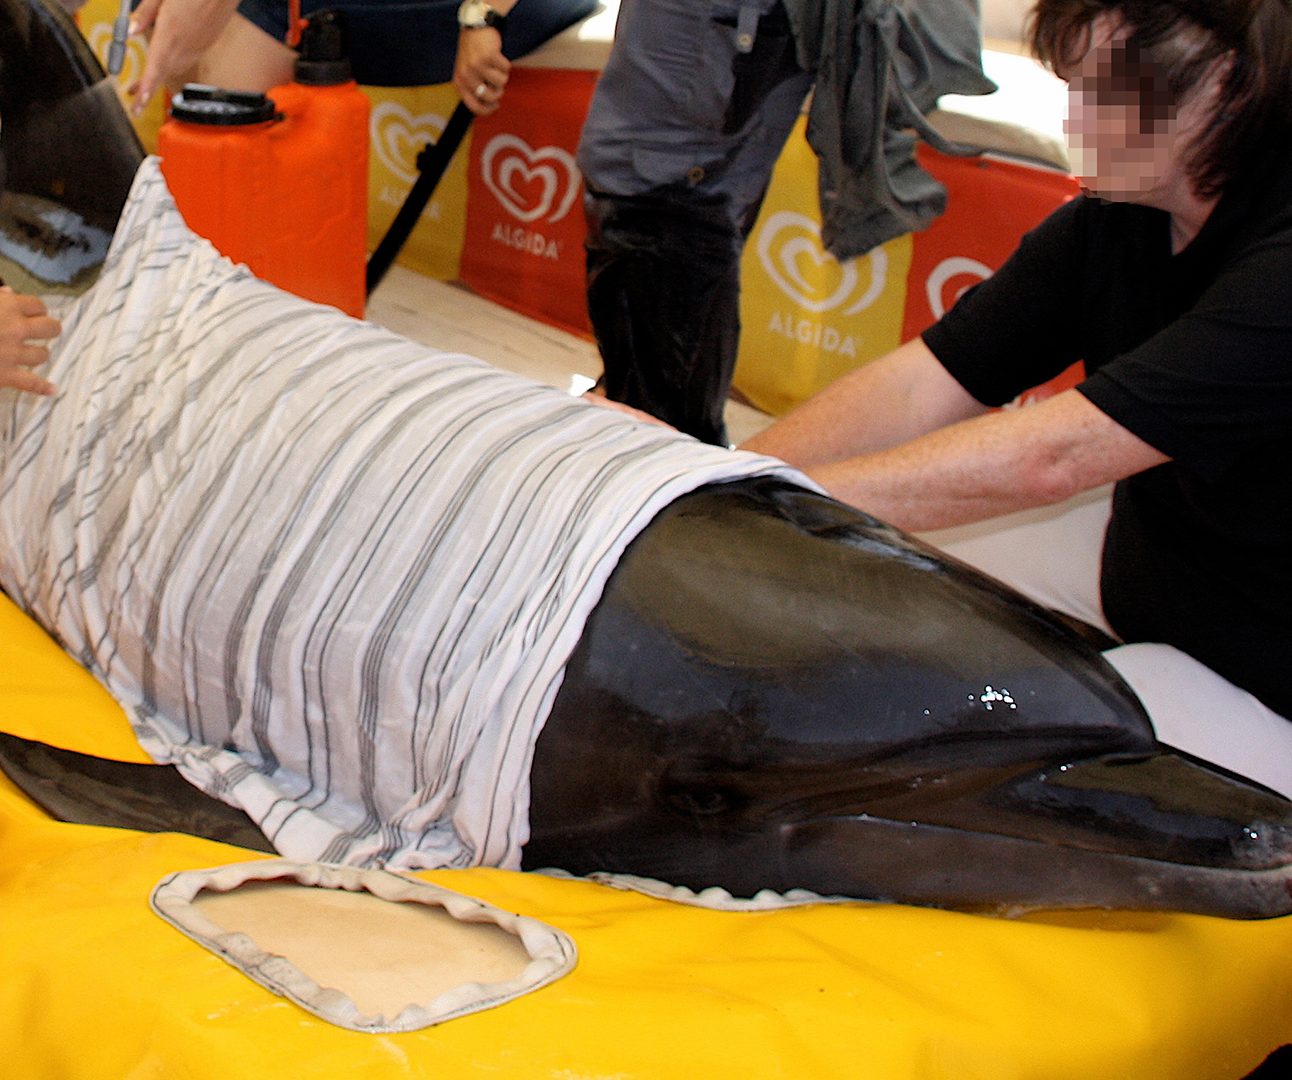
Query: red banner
column 525, row 224
column 990, row 205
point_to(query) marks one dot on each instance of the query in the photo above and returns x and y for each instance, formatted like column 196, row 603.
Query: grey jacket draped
column 880, row 66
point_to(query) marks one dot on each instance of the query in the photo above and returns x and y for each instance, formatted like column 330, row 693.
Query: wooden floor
column 450, row 317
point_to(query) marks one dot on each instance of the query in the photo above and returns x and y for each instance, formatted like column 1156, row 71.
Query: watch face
column 473, row 14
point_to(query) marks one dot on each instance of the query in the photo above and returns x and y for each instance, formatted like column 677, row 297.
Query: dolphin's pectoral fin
column 88, row 790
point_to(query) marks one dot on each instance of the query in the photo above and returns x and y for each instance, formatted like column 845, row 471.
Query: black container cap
column 323, row 60
column 217, row 107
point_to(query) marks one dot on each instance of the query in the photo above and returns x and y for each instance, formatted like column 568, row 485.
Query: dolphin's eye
column 697, row 801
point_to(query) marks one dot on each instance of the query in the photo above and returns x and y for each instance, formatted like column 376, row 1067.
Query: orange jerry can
column 280, row 181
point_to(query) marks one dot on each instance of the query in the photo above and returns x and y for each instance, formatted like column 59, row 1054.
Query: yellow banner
column 807, row 318
column 403, row 121
column 96, row 19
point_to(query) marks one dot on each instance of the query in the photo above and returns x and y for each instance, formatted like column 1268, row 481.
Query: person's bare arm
column 179, row 33
column 903, row 440
column 990, row 465
column 898, row 397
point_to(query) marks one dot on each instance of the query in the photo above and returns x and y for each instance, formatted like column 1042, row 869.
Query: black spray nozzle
column 323, row 59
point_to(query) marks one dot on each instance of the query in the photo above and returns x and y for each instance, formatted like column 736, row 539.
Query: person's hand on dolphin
column 597, row 397
column 179, row 32
column 24, row 326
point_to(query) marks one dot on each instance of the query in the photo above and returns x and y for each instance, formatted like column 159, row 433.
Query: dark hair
column 1183, row 40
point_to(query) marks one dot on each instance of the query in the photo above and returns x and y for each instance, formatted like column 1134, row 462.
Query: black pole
column 431, row 164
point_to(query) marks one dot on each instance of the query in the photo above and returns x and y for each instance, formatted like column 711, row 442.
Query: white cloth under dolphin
column 330, row 574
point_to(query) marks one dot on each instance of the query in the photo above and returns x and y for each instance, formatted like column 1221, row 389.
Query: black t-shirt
column 1193, row 354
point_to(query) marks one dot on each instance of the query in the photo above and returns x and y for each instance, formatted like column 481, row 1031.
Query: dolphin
column 778, row 691
column 775, row 691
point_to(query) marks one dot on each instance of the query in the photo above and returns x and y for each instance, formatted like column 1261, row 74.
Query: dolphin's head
column 777, row 692
column 67, row 152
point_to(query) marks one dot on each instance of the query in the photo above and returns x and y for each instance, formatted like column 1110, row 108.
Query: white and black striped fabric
column 330, row 574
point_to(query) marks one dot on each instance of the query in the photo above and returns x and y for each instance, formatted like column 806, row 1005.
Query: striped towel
column 332, row 575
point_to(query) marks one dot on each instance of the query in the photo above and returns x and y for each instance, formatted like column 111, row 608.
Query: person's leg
column 684, row 129
column 244, row 57
column 663, row 285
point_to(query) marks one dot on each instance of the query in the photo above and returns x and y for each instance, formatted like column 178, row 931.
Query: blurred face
column 1128, row 141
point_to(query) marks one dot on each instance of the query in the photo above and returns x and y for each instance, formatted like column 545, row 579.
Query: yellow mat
column 94, row 985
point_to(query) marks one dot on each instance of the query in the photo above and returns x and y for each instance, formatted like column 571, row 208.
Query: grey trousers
column 686, row 124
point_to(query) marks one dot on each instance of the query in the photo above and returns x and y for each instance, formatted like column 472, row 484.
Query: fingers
column 42, row 328
column 481, row 92
column 480, row 71
column 475, row 99
column 595, row 397
column 481, row 98
column 141, row 91
column 19, row 378
column 180, row 33
column 30, row 307
column 16, row 362
column 145, row 16
column 24, row 323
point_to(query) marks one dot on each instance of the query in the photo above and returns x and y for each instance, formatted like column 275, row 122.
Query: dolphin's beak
column 1157, row 831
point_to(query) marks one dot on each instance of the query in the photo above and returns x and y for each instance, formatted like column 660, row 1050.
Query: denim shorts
column 413, row 42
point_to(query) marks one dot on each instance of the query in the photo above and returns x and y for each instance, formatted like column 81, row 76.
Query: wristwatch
column 476, row 15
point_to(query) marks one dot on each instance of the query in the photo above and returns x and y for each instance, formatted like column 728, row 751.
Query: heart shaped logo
column 531, row 184
column 943, row 289
column 789, row 248
column 398, row 137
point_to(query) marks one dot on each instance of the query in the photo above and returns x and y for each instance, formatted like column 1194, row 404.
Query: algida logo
column 398, row 136
column 532, row 186
column 816, row 284
column 948, row 281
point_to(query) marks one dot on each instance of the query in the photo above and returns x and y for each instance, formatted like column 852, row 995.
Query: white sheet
column 332, row 575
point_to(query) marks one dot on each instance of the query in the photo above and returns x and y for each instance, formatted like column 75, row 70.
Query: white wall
column 1002, row 20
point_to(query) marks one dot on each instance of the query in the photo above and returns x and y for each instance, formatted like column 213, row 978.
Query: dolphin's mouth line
column 1011, row 875
column 1053, row 844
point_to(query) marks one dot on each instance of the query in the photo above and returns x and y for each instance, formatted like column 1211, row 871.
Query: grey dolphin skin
column 775, row 691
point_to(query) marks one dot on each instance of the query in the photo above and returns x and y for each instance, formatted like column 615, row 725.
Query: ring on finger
column 481, row 90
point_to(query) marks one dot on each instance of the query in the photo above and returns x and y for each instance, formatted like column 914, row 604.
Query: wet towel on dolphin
column 361, row 661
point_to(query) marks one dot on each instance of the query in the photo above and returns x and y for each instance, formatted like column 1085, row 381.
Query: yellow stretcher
column 95, row 985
